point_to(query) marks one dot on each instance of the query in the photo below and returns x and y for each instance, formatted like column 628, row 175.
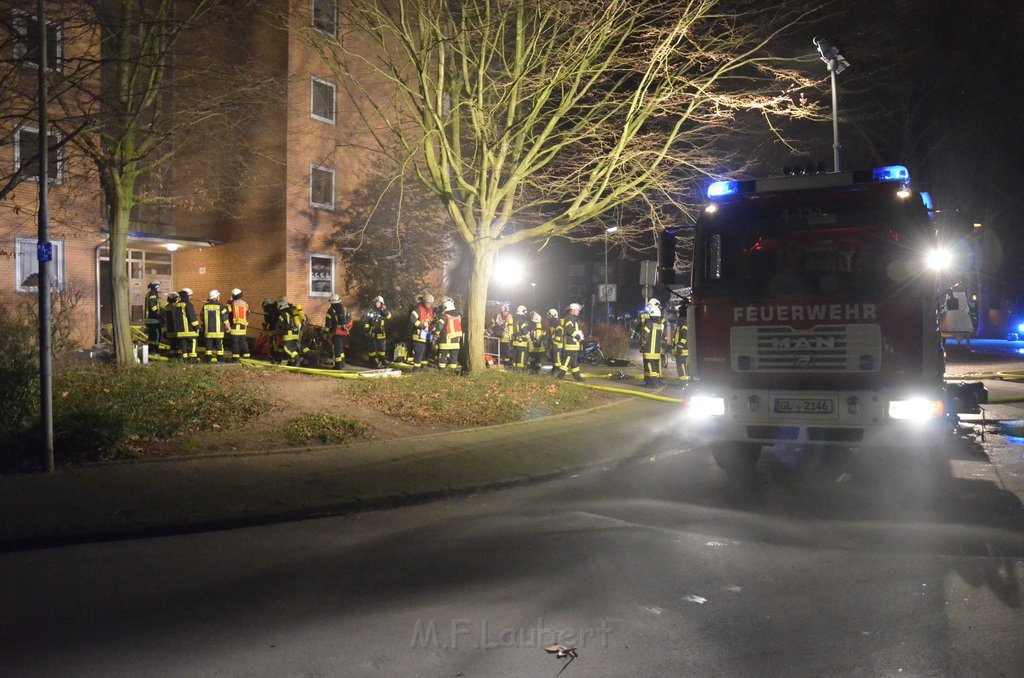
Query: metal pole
column 607, row 304
column 43, row 254
column 835, row 118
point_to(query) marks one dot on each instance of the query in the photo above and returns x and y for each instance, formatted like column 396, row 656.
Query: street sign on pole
column 607, row 293
column 648, row 273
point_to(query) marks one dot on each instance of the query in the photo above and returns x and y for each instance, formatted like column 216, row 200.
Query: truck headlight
column 915, row 409
column 702, row 407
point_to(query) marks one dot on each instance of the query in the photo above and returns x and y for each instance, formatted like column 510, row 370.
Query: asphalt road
column 871, row 563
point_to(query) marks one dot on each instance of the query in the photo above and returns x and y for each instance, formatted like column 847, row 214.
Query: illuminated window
column 322, row 104
column 321, row 187
column 27, row 265
column 321, row 275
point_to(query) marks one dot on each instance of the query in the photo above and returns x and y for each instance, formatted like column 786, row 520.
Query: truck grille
column 824, row 348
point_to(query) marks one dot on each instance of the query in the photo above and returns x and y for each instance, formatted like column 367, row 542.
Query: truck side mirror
column 667, row 257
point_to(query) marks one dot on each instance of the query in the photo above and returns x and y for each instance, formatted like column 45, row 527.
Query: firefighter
column 554, row 339
column 520, row 339
column 216, row 324
column 537, row 346
column 572, row 338
column 185, row 326
column 376, row 326
column 338, row 324
column 287, row 328
column 680, row 344
column 502, row 327
column 154, row 317
column 652, row 333
column 238, row 316
column 421, row 319
column 168, row 320
column 448, row 330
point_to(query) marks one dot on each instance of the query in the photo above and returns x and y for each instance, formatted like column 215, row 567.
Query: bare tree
column 531, row 119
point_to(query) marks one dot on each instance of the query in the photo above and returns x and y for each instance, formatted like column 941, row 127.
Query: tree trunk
column 120, row 312
column 482, row 258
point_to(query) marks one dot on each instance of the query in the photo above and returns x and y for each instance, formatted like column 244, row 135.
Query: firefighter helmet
column 575, row 307
column 172, row 296
column 282, row 302
column 428, row 298
column 552, row 313
column 236, row 292
column 652, row 302
column 378, row 299
column 214, row 294
column 449, row 305
column 335, row 299
column 520, row 310
column 155, row 283
column 535, row 317
column 655, row 312
column 185, row 292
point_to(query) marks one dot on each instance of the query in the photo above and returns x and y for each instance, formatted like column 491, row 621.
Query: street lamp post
column 830, row 52
column 607, row 304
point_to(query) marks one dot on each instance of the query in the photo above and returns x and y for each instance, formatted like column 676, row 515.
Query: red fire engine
column 812, row 315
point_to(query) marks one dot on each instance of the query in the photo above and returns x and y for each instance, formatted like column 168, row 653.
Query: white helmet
column 575, row 307
column 214, row 294
column 378, row 299
column 653, row 301
column 445, row 300
column 428, row 298
column 282, row 302
column 552, row 313
column 535, row 317
column 187, row 291
column 236, row 292
column 335, row 299
column 520, row 310
column 655, row 312
column 449, row 305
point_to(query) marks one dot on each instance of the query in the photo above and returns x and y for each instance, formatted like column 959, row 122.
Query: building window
column 26, row 41
column 26, row 265
column 325, row 16
column 322, row 103
column 321, row 275
column 321, row 187
column 26, row 154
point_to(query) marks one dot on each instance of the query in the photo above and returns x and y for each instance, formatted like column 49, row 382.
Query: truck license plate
column 804, row 406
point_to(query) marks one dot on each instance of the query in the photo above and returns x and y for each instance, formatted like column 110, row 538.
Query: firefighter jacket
column 421, row 319
column 153, row 311
column 184, row 323
column 215, row 320
column 168, row 318
column 680, row 339
column 238, row 316
column 503, row 326
column 536, row 336
column 448, row 330
column 652, row 333
column 269, row 316
column 376, row 321
column 572, row 335
column 555, row 334
column 521, row 332
column 289, row 323
column 338, row 320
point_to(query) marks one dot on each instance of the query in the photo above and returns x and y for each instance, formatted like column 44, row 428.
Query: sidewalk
column 148, row 498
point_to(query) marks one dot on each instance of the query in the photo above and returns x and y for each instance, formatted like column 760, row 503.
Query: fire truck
column 812, row 315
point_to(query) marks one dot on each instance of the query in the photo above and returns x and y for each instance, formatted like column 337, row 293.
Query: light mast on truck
column 812, row 315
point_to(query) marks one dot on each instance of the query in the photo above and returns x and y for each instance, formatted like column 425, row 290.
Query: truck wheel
column 735, row 457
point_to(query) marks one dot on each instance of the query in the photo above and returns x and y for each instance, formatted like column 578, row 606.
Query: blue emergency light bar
column 719, row 189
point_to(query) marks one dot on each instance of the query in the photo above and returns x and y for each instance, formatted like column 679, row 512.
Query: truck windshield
column 835, row 244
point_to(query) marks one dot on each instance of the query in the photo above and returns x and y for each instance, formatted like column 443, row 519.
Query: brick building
column 271, row 235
